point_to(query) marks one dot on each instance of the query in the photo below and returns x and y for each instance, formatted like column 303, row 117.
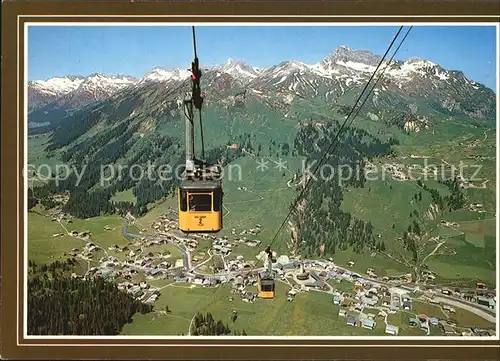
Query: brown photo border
column 15, row 13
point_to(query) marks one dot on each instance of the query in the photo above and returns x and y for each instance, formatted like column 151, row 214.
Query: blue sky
column 132, row 50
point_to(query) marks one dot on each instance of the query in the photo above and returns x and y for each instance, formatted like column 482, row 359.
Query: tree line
column 451, row 202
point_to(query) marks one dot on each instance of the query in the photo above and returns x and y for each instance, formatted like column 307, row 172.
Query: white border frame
column 308, row 338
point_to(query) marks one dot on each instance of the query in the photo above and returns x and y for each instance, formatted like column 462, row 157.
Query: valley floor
column 307, row 313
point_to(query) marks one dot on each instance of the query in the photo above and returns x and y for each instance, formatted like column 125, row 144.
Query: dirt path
column 65, row 229
column 485, row 135
column 432, row 252
column 206, row 261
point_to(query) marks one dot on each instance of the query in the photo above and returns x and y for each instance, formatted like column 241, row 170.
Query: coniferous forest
column 89, row 197
column 318, row 213
column 205, row 325
column 59, row 304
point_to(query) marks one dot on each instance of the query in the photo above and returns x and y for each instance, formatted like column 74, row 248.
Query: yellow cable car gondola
column 266, row 287
column 200, row 206
column 200, row 192
column 265, row 284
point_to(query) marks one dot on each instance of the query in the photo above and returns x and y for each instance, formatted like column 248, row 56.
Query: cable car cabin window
column 199, row 202
column 267, row 286
column 183, row 200
column 217, row 200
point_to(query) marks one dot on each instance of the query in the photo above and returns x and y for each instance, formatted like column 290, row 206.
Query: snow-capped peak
column 100, row 78
column 105, row 83
column 416, row 61
column 288, row 67
column 58, row 85
column 76, row 91
column 238, row 69
column 159, row 74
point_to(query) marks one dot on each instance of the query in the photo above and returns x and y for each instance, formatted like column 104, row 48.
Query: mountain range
column 343, row 73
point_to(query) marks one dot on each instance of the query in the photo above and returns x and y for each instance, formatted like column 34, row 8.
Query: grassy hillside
column 254, row 196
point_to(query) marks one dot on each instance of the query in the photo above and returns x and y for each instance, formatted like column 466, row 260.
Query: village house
column 482, row 292
column 164, row 264
column 480, row 286
column 225, row 251
column 371, row 301
column 413, row 321
column 140, row 262
column 448, row 308
column 152, row 298
column 239, row 280
column 448, row 329
column 392, row 330
column 393, row 310
column 467, row 333
column 407, row 304
column 373, row 291
column 180, row 279
column 423, row 322
column 124, row 285
column 313, row 285
column 249, row 297
column 352, row 321
column 155, row 273
column 446, row 291
column 430, row 277
column 434, row 321
column 336, row 300
column 136, row 291
column 368, row 324
column 358, row 307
